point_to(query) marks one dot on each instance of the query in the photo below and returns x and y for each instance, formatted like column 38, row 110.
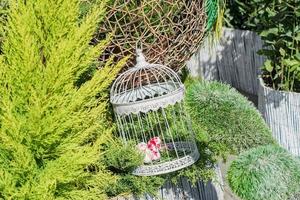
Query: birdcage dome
column 148, row 104
column 146, row 87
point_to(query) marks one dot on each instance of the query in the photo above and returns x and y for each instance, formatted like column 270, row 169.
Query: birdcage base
column 170, row 166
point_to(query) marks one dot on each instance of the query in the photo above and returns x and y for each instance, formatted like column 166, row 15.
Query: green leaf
column 297, row 56
column 270, row 12
column 290, row 62
column 266, row 33
column 268, row 66
column 282, row 52
column 294, row 68
column 266, row 52
column 297, row 38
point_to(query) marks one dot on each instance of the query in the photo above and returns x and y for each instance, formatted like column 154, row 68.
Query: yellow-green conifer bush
column 3, row 13
column 51, row 124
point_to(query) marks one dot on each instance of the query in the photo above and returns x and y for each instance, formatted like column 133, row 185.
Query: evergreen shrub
column 267, row 172
column 225, row 119
column 52, row 128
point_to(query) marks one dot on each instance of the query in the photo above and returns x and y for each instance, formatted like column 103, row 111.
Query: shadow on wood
column 181, row 191
column 184, row 190
column 233, row 60
column 281, row 111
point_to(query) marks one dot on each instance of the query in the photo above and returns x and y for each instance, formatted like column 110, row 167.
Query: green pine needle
column 51, row 130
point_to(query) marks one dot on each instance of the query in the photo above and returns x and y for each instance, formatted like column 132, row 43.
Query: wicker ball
column 169, row 31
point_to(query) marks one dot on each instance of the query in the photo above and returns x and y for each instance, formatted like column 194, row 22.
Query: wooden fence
column 233, row 60
column 184, row 190
column 281, row 111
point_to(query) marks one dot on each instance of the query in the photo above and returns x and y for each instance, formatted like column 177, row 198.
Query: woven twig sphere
column 169, row 31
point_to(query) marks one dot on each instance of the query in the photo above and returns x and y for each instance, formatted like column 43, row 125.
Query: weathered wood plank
column 233, row 60
column 184, row 190
column 281, row 111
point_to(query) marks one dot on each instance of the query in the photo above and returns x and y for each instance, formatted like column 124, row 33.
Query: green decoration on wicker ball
column 212, row 9
column 265, row 173
column 227, row 116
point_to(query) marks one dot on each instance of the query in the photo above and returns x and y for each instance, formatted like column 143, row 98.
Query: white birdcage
column 148, row 105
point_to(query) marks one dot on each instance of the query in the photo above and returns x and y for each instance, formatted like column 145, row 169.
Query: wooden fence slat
column 233, row 60
column 281, row 111
column 184, row 190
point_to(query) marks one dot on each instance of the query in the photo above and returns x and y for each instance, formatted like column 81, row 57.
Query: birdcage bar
column 176, row 128
column 161, row 131
column 148, row 104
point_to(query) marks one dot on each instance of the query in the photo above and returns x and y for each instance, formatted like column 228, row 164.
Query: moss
column 267, row 172
column 227, row 120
